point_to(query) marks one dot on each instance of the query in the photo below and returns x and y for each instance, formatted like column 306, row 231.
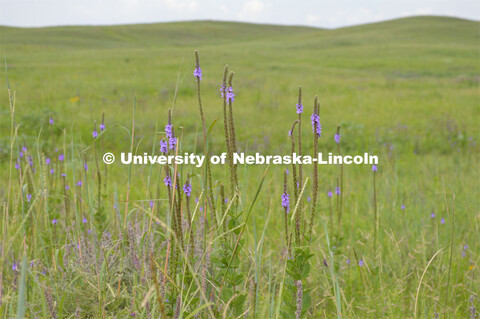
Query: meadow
column 81, row 239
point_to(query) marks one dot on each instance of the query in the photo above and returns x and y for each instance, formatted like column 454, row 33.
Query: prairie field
column 83, row 239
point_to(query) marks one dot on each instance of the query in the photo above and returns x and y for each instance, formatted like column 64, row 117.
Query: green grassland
column 407, row 90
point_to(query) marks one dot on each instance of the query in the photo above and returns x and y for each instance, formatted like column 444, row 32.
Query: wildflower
column 299, row 108
column 226, row 200
column 309, row 199
column 89, row 231
column 14, row 266
column 84, row 220
column 196, row 200
column 47, row 161
column 442, row 221
column 85, row 166
column 317, row 128
column 337, row 190
column 187, row 189
column 163, row 146
column 230, row 94
column 54, row 221
column 374, row 168
column 360, row 263
column 24, row 148
column 21, row 154
column 64, row 175
column 286, row 201
column 197, row 73
column 432, row 215
column 67, row 187
column 290, row 133
column 17, row 165
column 51, row 120
column 169, row 130
column 330, row 194
column 61, row 157
column 348, row 262
column 172, row 141
column 94, row 134
column 168, row 181
column 79, row 183
column 402, row 207
column 102, row 127
column 52, row 171
column 29, row 197
column 337, row 138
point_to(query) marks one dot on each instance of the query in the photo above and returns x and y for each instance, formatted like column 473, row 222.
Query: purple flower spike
column 95, row 134
column 374, row 168
column 151, row 204
column 286, row 201
column 168, row 181
column 85, row 166
column 432, row 215
column 17, row 165
column 442, row 221
column 187, row 189
column 47, row 161
column 337, row 138
column 54, row 221
column 51, row 120
column 172, row 141
column 24, row 149
column 102, row 127
column 337, row 190
column 29, row 197
column 197, row 73
column 317, row 128
column 299, row 108
column 403, row 207
column 67, row 187
column 61, row 157
column 84, row 220
column 360, row 263
column 163, row 146
column 21, row 154
column 52, row 171
column 330, row 194
column 230, row 94
column 79, row 183
column 348, row 262
column 14, row 266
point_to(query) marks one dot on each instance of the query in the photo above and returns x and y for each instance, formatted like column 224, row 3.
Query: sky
column 317, row 13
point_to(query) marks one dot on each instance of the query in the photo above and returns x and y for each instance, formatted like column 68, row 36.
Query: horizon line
column 239, row 22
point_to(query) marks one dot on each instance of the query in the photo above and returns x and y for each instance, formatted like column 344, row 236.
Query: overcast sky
column 319, row 13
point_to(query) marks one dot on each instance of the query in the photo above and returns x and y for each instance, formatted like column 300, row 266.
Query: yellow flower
column 74, row 99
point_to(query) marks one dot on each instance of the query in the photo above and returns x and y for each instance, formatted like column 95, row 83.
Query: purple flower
column 317, row 128
column 442, row 221
column 95, row 134
column 172, row 141
column 14, row 266
column 290, row 133
column 286, row 201
column 337, row 138
column 348, row 262
column 465, row 247
column 102, row 127
column 169, row 130
column 85, row 166
column 196, row 200
column 222, row 89
column 309, row 198
column 151, row 204
column 374, row 168
column 402, row 207
column 47, row 161
column 24, row 149
column 329, row 194
column 337, row 190
column 163, row 146
column 79, row 183
column 226, row 200
column 84, row 220
column 432, row 215
column 187, row 189
column 52, row 171
column 360, row 263
column 61, row 157
column 168, row 181
column 197, row 73
column 464, row 254
column 21, row 154
column 67, row 187
column 299, row 108
column 64, row 175
column 17, row 165
column 54, row 221
column 50, row 120
column 29, row 197
column 230, row 94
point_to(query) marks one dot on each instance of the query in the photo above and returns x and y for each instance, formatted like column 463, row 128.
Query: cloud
column 251, row 9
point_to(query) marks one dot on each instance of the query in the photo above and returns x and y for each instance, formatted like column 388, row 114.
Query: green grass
column 407, row 90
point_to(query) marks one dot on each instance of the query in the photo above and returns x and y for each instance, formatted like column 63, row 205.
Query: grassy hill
column 406, row 90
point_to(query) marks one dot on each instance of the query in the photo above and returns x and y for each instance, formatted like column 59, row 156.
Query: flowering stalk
column 298, row 216
column 339, row 189
column 231, row 135
column 316, row 111
column 374, row 170
column 285, row 205
column 294, row 168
